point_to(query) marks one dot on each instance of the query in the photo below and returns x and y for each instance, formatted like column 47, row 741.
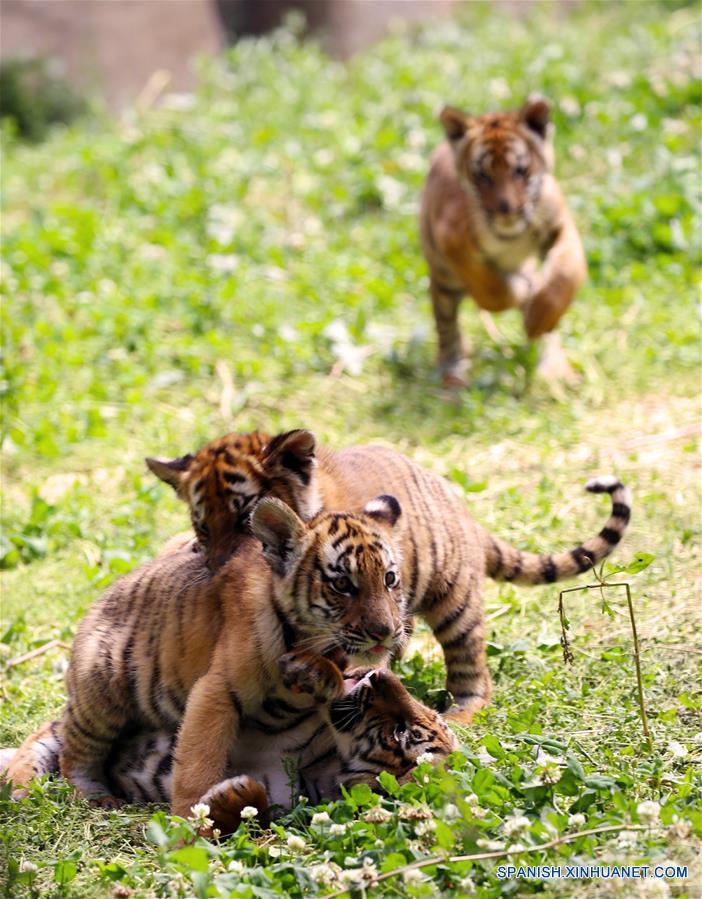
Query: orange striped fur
column 445, row 553
column 494, row 225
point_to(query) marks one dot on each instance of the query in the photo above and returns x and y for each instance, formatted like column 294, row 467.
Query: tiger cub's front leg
column 209, row 730
column 306, row 672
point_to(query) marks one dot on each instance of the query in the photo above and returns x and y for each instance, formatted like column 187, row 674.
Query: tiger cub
column 491, row 208
column 445, row 554
column 370, row 724
column 163, row 648
column 223, row 481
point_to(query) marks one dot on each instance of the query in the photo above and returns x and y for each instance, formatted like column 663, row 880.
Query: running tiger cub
column 165, row 635
column 491, row 208
column 370, row 724
column 445, row 554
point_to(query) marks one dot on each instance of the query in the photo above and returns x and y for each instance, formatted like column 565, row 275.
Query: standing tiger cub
column 491, row 211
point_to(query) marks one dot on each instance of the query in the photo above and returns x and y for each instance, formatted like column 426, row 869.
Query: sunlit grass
column 150, row 262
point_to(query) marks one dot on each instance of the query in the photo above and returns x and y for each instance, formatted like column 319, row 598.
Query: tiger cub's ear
column 279, row 530
column 536, row 115
column 384, row 509
column 454, row 122
column 173, row 472
column 291, row 453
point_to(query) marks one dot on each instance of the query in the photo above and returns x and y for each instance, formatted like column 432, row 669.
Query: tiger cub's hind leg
column 455, row 614
column 38, row 755
column 84, row 751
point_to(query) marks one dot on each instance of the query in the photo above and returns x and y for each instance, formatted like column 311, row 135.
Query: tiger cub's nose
column 379, row 632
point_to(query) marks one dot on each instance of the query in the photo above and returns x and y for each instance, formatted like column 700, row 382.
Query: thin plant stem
column 637, row 664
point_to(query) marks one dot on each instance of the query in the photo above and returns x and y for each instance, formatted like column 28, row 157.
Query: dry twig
column 40, row 650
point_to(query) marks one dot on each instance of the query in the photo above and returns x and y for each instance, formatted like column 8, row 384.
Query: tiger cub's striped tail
column 506, row 563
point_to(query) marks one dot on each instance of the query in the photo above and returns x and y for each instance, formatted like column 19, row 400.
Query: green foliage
column 251, row 259
column 32, row 97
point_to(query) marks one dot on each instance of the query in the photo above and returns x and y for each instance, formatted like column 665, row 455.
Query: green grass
column 150, row 263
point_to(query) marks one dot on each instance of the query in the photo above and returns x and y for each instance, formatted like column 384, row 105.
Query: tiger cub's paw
column 353, row 676
column 105, row 800
column 228, row 798
column 303, row 672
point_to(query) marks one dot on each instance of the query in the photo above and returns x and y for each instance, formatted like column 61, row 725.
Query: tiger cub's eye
column 342, row 584
column 390, row 579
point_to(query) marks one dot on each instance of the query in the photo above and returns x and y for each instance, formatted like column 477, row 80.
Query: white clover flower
column 425, row 757
column 365, row 876
column 416, row 139
column 415, row 813
column 576, row 820
column 199, row 815
column 236, row 866
column 618, row 79
column 466, row 886
column 248, row 812
column 545, row 758
column 422, row 828
column 639, row 122
column 219, row 262
column 490, row 845
column 679, row 830
column 326, row 873
column 649, row 811
column 499, row 88
column 321, row 818
column 27, row 867
column 451, row 812
column 515, row 824
column 324, row 157
column 472, row 800
column 414, row 875
column 295, row 843
column 369, row 872
column 570, row 106
column 391, row 190
column 337, row 829
column 627, row 839
column 377, row 815
column 677, row 749
column 199, row 810
column 549, row 774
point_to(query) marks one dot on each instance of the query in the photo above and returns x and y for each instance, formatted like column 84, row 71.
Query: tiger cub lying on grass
column 370, row 724
column 445, row 554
